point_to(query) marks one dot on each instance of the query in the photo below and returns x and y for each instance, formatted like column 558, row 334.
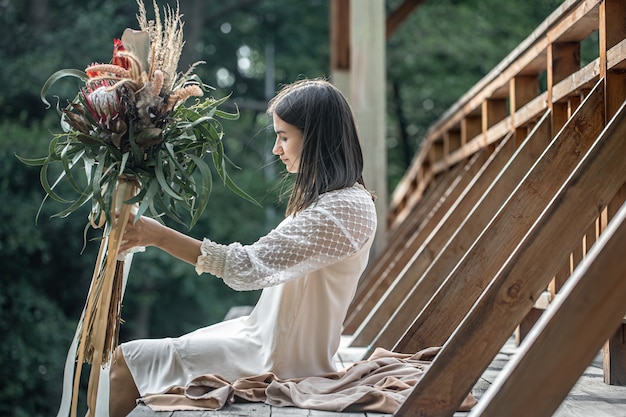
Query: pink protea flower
column 106, row 109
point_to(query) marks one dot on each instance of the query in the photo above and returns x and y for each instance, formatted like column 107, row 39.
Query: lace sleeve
column 337, row 226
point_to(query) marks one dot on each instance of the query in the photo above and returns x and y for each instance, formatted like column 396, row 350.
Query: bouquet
column 130, row 122
column 130, row 143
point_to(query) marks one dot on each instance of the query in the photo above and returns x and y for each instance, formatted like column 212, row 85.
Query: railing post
column 563, row 60
column 522, row 89
column 612, row 31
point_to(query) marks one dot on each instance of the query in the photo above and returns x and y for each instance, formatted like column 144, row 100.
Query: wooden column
column 612, row 20
column 563, row 60
column 614, row 350
column 470, row 128
column 493, row 110
column 340, row 44
column 367, row 97
column 522, row 89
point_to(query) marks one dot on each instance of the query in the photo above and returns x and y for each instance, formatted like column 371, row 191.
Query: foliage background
column 250, row 48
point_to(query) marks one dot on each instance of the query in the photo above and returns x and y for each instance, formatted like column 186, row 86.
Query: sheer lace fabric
column 332, row 229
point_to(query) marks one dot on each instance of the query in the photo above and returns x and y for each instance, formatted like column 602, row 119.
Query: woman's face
column 288, row 145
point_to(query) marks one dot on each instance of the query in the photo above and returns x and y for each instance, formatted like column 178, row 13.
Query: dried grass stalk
column 102, row 315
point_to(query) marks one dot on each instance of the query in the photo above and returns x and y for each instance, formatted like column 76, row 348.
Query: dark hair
column 331, row 156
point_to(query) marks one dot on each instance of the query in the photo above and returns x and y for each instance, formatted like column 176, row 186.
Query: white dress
column 308, row 267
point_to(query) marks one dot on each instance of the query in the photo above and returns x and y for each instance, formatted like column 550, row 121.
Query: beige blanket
column 379, row 384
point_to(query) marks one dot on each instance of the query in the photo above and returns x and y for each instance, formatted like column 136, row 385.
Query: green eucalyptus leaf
column 167, row 209
column 43, row 179
column 80, row 201
column 237, row 190
column 68, row 164
column 227, row 116
column 33, row 162
column 160, row 176
column 205, row 188
column 153, row 189
column 56, row 77
column 133, row 145
column 124, row 161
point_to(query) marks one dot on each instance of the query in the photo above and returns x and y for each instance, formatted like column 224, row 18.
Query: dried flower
column 130, row 119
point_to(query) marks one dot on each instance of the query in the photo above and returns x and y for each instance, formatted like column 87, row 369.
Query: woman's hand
column 145, row 232
column 149, row 232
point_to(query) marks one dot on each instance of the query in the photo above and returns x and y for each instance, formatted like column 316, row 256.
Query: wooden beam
column 614, row 350
column 399, row 15
column 558, row 350
column 340, row 35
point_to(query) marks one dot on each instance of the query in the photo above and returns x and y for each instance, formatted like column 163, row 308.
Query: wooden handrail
column 570, row 24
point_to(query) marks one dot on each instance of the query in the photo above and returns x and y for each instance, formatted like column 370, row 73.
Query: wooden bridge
column 507, row 238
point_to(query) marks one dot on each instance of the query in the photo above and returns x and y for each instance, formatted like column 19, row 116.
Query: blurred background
column 251, row 48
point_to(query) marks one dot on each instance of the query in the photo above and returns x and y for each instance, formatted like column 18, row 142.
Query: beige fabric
column 379, row 384
column 308, row 267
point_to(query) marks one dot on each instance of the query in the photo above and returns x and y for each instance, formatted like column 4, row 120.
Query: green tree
column 438, row 53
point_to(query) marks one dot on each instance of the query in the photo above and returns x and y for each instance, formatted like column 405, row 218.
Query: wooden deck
column 590, row 397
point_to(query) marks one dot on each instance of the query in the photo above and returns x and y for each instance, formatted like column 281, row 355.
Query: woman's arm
column 149, row 232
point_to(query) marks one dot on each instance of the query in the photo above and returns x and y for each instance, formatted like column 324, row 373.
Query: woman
column 308, row 267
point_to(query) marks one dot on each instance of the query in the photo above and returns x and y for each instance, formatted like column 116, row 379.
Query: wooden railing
column 509, row 99
column 509, row 192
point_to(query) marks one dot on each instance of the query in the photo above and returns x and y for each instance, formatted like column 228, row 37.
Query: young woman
column 308, row 266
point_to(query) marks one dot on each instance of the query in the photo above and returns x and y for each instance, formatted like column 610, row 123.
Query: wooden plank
column 614, row 350
column 365, row 320
column 584, row 78
column 340, row 35
column 568, row 337
column 453, row 139
column 429, row 267
column 571, row 22
column 493, row 110
column 616, row 56
column 577, row 25
column 403, row 188
column 373, row 284
column 523, row 89
column 487, row 254
column 408, row 198
column 531, row 111
column 399, row 15
column 526, row 325
column 426, row 246
column 612, row 27
column 525, row 274
column 616, row 91
column 498, row 131
column 614, row 357
column 563, row 60
column 471, row 126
